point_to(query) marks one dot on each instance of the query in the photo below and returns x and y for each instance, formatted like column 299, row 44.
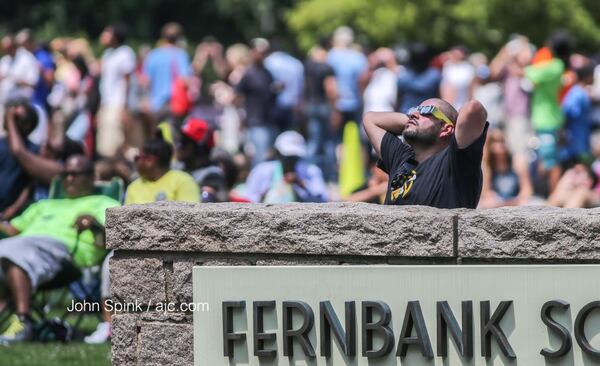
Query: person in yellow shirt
column 157, row 182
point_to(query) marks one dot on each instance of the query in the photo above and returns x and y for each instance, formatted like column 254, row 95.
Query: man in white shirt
column 24, row 70
column 380, row 95
column 457, row 78
column 8, row 49
column 118, row 63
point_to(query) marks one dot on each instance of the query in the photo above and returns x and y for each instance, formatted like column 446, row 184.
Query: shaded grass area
column 58, row 353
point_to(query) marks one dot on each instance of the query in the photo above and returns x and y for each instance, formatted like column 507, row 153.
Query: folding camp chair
column 86, row 288
column 83, row 285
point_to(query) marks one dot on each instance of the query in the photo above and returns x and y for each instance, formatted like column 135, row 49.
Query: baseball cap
column 199, row 131
column 291, row 143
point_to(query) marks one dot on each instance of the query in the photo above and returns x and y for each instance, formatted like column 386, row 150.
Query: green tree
column 228, row 20
column 480, row 24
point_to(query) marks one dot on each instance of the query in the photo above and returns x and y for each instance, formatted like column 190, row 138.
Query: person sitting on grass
column 157, row 181
column 288, row 178
column 575, row 189
column 48, row 236
column 195, row 152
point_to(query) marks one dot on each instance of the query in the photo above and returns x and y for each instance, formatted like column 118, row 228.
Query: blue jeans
column 318, row 135
column 283, row 118
column 261, row 139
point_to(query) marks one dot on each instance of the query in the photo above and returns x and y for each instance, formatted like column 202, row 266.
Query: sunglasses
column 430, row 110
column 75, row 173
column 142, row 156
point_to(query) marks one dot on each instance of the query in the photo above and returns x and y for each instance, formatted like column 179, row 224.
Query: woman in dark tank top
column 501, row 184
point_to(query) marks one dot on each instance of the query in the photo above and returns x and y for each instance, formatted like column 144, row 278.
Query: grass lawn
column 56, row 353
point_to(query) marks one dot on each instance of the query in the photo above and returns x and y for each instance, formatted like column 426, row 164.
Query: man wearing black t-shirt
column 439, row 162
column 259, row 92
column 319, row 97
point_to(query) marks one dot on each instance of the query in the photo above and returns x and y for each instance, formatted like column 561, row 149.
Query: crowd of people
column 255, row 123
column 221, row 110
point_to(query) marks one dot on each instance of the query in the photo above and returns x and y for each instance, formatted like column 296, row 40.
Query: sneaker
column 100, row 335
column 19, row 330
column 6, row 322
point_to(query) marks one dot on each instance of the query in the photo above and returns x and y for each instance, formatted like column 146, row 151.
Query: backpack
column 54, row 330
column 180, row 100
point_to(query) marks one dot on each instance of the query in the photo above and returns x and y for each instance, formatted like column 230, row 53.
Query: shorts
column 517, row 131
column 110, row 134
column 548, row 148
column 41, row 257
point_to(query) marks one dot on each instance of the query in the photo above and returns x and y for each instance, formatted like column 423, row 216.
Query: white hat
column 291, row 143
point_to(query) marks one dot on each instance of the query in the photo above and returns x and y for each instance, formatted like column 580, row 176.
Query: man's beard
column 419, row 137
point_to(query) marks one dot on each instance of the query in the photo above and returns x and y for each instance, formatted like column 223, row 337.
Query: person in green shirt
column 48, row 236
column 546, row 115
column 545, row 74
column 545, row 108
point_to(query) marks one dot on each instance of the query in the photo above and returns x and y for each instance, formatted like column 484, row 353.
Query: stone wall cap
column 295, row 228
column 530, row 232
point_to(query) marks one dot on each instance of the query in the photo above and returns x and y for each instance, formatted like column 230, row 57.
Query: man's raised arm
column 470, row 123
column 378, row 123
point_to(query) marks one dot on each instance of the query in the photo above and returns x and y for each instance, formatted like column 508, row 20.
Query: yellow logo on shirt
column 403, row 190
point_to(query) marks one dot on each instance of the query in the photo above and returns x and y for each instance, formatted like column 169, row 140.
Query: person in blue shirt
column 46, row 80
column 348, row 65
column 288, row 73
column 162, row 65
column 577, row 107
column 420, row 81
column 288, row 178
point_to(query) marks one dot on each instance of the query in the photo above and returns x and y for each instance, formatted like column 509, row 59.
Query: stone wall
column 157, row 245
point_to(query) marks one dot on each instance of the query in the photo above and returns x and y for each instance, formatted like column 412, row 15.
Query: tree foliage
column 479, row 24
column 229, row 20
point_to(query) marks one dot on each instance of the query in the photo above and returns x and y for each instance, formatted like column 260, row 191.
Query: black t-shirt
column 451, row 178
column 315, row 74
column 257, row 88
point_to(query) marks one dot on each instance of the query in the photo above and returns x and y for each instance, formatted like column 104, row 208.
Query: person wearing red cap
column 194, row 151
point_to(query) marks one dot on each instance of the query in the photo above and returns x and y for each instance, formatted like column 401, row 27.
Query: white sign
column 398, row 315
